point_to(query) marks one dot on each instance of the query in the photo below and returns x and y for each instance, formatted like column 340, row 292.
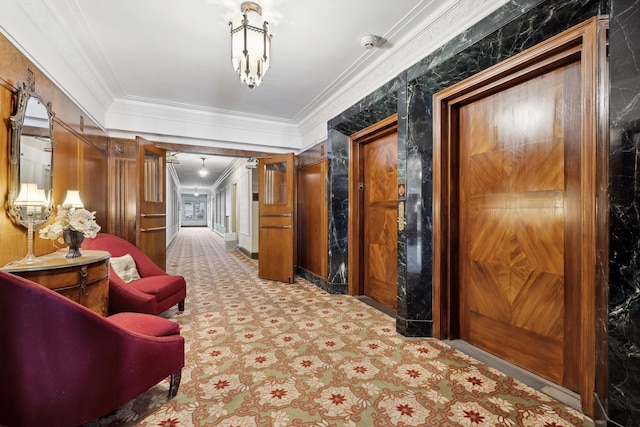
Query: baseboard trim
column 252, row 255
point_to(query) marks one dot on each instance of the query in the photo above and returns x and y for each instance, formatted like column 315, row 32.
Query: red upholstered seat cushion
column 160, row 286
column 146, row 324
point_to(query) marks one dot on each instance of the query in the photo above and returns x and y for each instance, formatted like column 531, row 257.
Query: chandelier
column 250, row 47
column 203, row 172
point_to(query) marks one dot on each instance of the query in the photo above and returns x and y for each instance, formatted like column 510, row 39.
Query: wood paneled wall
column 312, row 215
column 80, row 156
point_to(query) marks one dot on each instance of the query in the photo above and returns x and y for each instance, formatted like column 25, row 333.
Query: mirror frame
column 25, row 93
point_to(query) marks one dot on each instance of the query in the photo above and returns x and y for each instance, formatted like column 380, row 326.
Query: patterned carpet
column 262, row 353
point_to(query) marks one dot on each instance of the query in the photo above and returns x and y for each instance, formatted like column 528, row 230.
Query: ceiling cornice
column 35, row 30
column 429, row 36
column 186, row 125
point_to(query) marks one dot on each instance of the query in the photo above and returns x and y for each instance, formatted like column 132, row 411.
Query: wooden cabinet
column 84, row 279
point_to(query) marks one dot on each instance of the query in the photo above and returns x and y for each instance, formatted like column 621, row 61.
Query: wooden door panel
column 490, row 170
column 538, row 166
column 151, row 209
column 489, row 283
column 276, row 181
column 271, row 264
column 382, row 228
column 540, row 296
column 380, row 219
column 512, row 220
column 546, row 355
column 312, row 218
column 490, row 240
column 539, row 239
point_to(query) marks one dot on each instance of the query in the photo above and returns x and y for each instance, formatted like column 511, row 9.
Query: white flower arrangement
column 77, row 219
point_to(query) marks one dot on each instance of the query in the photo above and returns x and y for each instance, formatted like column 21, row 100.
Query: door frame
column 584, row 41
column 355, row 233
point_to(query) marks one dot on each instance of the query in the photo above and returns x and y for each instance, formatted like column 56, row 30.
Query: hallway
column 262, row 353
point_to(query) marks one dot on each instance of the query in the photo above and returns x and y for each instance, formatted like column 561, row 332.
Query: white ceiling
column 162, row 68
column 177, row 52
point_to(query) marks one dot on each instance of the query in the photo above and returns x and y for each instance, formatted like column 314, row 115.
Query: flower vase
column 73, row 239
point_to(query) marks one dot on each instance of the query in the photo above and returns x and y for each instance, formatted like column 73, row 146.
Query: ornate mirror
column 30, row 201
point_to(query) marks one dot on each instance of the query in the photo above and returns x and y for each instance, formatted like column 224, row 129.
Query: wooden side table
column 84, row 279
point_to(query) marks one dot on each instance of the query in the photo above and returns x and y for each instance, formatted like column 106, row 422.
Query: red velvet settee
column 154, row 293
column 61, row 364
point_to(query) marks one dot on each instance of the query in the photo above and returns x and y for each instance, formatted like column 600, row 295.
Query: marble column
column 338, row 181
column 375, row 107
column 624, row 234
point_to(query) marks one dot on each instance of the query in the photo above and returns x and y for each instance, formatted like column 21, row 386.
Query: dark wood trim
column 601, row 361
column 201, row 149
column 100, row 144
column 594, row 192
column 355, row 225
column 580, row 41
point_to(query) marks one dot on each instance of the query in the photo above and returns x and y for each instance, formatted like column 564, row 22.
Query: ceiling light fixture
column 203, row 172
column 250, row 47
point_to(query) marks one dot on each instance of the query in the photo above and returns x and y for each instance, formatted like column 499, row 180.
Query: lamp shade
column 73, row 199
column 30, row 196
column 251, row 46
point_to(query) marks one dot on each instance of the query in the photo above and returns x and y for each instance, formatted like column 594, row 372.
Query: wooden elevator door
column 380, row 219
column 519, row 195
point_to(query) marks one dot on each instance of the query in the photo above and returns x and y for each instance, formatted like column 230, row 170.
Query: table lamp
column 73, row 200
column 31, row 201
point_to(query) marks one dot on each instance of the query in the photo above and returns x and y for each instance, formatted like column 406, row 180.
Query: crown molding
column 429, row 36
column 188, row 125
column 34, row 30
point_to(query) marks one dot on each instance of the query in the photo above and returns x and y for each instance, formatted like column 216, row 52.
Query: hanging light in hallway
column 250, row 47
column 203, row 172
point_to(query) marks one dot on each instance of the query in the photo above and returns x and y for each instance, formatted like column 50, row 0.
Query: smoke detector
column 369, row 41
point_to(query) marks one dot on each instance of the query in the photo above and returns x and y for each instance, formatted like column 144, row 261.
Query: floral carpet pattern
column 263, row 353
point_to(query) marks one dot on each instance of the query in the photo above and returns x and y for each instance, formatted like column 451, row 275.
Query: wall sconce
column 33, row 202
column 73, row 200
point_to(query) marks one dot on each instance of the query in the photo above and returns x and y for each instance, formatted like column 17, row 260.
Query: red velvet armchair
column 61, row 364
column 155, row 292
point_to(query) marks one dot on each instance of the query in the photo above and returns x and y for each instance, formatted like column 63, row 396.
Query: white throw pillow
column 125, row 268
